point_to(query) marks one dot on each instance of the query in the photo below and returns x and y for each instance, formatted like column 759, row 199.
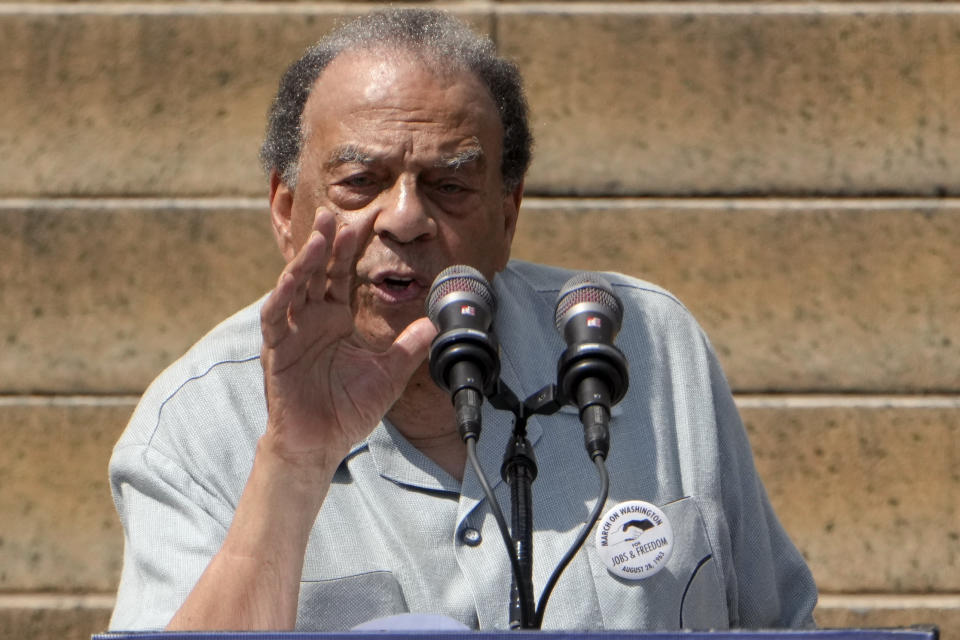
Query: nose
column 405, row 215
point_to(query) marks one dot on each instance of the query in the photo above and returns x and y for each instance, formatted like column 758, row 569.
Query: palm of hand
column 324, row 392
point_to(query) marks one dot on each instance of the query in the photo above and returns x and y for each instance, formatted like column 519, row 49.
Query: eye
column 450, row 188
column 359, row 181
column 453, row 186
column 354, row 190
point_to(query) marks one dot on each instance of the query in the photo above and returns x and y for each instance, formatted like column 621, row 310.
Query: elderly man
column 298, row 468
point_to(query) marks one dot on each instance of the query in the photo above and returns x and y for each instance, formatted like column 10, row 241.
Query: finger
column 316, row 265
column 290, row 294
column 309, row 265
column 341, row 269
column 347, row 247
column 314, row 253
column 273, row 314
column 325, row 221
column 311, row 270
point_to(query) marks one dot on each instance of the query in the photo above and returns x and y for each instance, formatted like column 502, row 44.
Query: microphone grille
column 458, row 278
column 590, row 288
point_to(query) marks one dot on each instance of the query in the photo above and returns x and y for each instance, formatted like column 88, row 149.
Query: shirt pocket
column 341, row 603
column 687, row 593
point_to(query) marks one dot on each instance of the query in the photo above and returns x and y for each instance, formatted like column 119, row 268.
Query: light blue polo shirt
column 397, row 534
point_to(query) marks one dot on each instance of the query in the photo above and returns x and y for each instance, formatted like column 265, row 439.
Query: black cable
column 600, row 463
column 525, row 605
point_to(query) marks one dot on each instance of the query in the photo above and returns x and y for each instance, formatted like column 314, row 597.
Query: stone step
column 879, row 611
column 49, row 616
column 100, row 296
column 628, row 98
column 797, row 295
column 740, row 98
column 60, row 531
column 867, row 486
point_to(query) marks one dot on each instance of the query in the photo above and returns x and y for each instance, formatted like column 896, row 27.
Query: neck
column 425, row 417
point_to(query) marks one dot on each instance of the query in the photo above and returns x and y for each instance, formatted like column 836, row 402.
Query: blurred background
column 791, row 171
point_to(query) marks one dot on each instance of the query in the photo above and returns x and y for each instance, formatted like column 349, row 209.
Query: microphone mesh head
column 459, row 277
column 591, row 288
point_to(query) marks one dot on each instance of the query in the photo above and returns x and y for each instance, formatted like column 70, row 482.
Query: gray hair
column 448, row 43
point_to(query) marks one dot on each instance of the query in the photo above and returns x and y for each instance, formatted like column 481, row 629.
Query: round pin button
column 634, row 539
column 471, row 537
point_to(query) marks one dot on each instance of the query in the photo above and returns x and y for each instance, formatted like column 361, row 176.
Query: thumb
column 409, row 349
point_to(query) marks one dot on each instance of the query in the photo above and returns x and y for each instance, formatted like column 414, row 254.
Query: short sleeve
column 172, row 529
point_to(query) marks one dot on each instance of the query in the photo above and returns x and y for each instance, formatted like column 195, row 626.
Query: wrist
column 298, row 478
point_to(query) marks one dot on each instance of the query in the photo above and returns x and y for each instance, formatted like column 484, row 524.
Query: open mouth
column 397, row 284
column 396, row 288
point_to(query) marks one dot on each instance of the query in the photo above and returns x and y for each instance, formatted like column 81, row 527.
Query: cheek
column 499, row 234
column 301, row 223
column 485, row 246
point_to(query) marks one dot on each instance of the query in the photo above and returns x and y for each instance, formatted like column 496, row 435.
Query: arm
column 324, row 393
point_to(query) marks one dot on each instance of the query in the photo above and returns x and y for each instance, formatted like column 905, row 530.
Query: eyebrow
column 461, row 158
column 348, row 154
column 354, row 154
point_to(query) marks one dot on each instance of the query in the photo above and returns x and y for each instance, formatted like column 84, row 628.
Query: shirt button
column 471, row 537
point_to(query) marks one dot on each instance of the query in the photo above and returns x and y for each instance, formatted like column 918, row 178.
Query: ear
column 511, row 212
column 281, row 215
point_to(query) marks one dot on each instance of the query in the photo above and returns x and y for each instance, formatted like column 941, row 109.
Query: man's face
column 413, row 159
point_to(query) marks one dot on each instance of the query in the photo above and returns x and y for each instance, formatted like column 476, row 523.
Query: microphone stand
column 519, row 470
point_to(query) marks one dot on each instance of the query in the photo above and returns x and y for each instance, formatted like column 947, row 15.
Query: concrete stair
column 790, row 170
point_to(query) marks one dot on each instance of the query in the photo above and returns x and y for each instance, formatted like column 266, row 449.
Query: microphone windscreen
column 459, row 278
column 591, row 290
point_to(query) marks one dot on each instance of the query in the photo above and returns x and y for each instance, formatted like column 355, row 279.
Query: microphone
column 592, row 372
column 465, row 356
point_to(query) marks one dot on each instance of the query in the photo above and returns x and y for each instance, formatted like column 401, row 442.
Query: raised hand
column 325, row 390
